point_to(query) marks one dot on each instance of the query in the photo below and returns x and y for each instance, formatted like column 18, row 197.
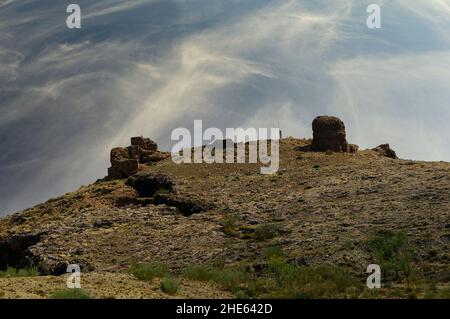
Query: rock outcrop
column 125, row 161
column 385, row 150
column 147, row 184
column 329, row 135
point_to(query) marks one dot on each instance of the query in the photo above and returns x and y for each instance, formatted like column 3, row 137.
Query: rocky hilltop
column 322, row 208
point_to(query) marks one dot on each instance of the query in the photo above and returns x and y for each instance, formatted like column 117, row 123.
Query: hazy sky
column 145, row 67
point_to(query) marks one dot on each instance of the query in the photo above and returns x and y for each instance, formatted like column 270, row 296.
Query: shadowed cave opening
column 160, row 190
column 14, row 251
column 150, row 183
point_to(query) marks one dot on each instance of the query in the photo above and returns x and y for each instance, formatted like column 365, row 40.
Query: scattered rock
column 385, row 150
column 329, row 135
column 17, row 219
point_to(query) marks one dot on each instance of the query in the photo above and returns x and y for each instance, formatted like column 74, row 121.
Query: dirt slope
column 321, row 207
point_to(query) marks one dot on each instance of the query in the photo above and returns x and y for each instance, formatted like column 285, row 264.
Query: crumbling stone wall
column 125, row 160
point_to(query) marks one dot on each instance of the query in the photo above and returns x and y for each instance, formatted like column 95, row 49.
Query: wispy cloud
column 144, row 67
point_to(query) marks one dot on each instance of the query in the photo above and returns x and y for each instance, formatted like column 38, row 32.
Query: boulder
column 329, row 135
column 385, row 150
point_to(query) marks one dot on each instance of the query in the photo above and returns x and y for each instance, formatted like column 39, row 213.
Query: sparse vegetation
column 393, row 252
column 298, row 282
column 265, row 232
column 25, row 272
column 169, row 286
column 70, row 294
column 274, row 252
column 228, row 224
column 281, row 279
column 347, row 244
column 316, row 215
column 148, row 271
column 197, row 272
column 234, row 279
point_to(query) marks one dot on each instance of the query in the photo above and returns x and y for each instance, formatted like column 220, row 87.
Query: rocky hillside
column 322, row 208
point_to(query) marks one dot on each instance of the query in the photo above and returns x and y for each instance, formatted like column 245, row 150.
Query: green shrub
column 281, row 279
column 265, row 232
column 145, row 271
column 218, row 263
column 169, row 286
column 280, row 270
column 274, row 251
column 196, row 272
column 443, row 293
column 298, row 282
column 232, row 279
column 393, row 253
column 317, row 282
column 25, row 272
column 347, row 244
column 70, row 294
column 228, row 224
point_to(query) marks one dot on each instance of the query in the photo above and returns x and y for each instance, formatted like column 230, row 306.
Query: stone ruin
column 329, row 135
column 125, row 160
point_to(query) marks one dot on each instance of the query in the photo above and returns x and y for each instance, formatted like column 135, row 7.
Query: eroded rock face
column 329, row 135
column 385, row 150
column 125, row 160
column 118, row 155
column 123, row 169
